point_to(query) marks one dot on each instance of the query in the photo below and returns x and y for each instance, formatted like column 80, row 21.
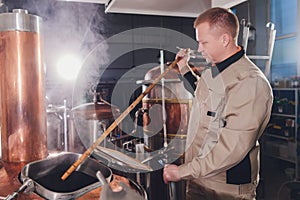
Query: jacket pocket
column 214, row 111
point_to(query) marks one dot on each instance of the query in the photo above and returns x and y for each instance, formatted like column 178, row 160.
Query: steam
column 69, row 28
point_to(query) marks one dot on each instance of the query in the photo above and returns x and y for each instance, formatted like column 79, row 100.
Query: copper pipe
column 90, row 150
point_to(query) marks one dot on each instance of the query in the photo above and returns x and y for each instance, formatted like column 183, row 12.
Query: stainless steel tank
column 23, row 120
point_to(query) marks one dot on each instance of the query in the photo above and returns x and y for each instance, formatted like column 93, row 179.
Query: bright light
column 68, row 67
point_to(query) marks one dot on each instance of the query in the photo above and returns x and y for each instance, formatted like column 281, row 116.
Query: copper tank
column 178, row 102
column 23, row 120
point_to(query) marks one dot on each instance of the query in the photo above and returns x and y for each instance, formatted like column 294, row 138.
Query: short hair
column 220, row 18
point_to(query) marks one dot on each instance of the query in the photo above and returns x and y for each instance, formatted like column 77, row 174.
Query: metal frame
column 271, row 41
column 296, row 118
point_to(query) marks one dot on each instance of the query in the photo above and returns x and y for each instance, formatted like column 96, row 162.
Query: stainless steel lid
column 20, row 20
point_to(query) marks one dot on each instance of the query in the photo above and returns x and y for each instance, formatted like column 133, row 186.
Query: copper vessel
column 178, row 103
column 96, row 111
column 23, row 122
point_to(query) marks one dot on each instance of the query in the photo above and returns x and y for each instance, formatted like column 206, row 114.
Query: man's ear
column 225, row 39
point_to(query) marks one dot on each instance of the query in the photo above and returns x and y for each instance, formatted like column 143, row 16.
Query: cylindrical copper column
column 23, row 120
column 178, row 102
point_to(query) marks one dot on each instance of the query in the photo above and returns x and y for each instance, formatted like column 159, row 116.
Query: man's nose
column 200, row 49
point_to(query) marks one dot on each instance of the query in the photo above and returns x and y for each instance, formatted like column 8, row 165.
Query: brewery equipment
column 91, row 120
column 23, row 115
column 165, row 126
column 178, row 102
column 43, row 177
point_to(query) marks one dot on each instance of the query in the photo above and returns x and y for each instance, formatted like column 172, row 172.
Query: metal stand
column 271, row 41
column 65, row 118
column 96, row 134
column 63, row 137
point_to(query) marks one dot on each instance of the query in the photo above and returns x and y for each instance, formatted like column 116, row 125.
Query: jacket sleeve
column 247, row 111
column 189, row 81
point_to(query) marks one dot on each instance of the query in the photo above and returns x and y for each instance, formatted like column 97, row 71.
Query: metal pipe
column 171, row 185
column 271, row 41
column 163, row 102
column 66, row 143
column 246, row 29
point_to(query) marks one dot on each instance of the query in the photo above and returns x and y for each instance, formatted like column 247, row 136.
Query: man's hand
column 185, row 55
column 171, row 174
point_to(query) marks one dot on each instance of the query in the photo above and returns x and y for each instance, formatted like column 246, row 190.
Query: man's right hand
column 184, row 54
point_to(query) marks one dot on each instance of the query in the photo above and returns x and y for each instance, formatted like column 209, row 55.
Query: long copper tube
column 90, row 150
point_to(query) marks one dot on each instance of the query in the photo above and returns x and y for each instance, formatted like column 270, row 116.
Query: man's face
column 210, row 43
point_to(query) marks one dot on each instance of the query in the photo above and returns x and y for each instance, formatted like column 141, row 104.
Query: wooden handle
column 88, row 152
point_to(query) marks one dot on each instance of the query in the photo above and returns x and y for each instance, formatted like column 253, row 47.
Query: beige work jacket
column 230, row 112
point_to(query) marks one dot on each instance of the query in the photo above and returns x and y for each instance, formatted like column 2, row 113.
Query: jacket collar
column 215, row 70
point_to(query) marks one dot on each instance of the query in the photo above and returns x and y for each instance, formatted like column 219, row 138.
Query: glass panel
column 285, row 51
column 284, row 16
column 284, row 61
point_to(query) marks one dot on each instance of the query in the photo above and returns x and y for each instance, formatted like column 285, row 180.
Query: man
column 231, row 108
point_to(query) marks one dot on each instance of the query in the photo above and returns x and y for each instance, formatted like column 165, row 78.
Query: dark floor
column 274, row 181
